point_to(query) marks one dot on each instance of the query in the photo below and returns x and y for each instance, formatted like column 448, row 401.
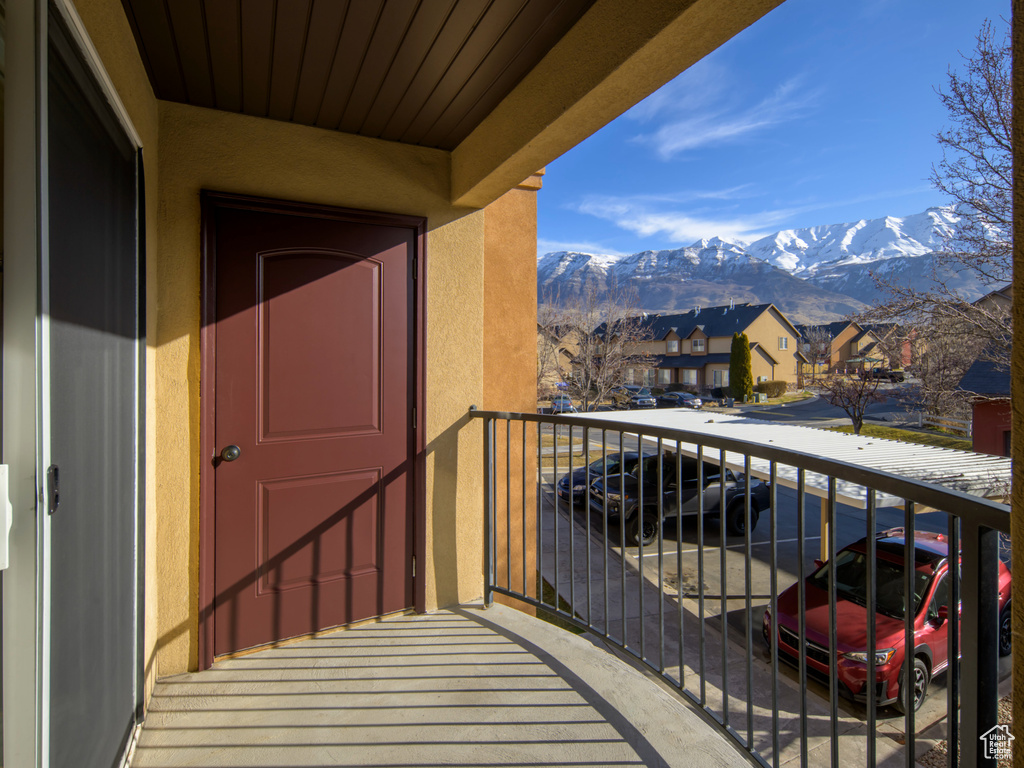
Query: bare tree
column 976, row 172
column 944, row 360
column 552, row 353
column 896, row 343
column 817, row 348
column 609, row 340
column 853, row 394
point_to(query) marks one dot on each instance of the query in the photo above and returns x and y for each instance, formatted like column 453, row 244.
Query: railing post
column 488, row 512
column 979, row 633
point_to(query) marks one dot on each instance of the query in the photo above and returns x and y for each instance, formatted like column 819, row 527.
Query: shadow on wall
column 443, row 451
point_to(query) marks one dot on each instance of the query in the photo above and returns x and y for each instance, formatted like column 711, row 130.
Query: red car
column 931, row 589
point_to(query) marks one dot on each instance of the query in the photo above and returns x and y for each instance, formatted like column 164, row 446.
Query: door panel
column 93, row 333
column 313, row 523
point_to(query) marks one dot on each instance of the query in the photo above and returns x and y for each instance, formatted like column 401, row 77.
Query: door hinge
column 415, row 267
column 414, row 417
column 414, row 566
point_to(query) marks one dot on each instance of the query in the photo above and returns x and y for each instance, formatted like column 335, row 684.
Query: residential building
column 988, row 386
column 841, row 346
column 693, row 348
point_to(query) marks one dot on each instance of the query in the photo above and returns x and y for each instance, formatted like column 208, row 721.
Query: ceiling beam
column 616, row 55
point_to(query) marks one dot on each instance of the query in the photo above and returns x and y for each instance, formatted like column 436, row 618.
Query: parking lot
column 676, row 567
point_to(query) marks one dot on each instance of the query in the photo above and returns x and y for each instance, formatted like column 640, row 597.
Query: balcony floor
column 467, row 686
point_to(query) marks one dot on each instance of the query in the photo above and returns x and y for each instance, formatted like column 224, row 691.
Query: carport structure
column 977, row 474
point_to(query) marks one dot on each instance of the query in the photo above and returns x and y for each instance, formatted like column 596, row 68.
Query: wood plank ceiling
column 423, row 72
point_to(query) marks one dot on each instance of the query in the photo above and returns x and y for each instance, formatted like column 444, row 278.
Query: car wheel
column 643, row 529
column 735, row 522
column 1005, row 631
column 919, row 689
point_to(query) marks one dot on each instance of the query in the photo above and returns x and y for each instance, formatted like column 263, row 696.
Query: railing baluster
column 555, row 516
column 661, row 559
column 979, row 636
column 586, row 514
column 572, row 534
column 872, row 601
column 833, row 672
column 953, row 638
column 540, row 513
column 700, row 573
column 723, row 580
column 622, row 540
column 604, row 530
column 522, row 449
column 801, row 554
column 489, row 511
column 909, row 649
column 773, row 536
column 640, row 542
column 508, row 502
column 747, row 525
column 679, row 560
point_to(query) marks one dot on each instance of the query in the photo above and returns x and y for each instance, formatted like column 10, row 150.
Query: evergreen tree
column 741, row 376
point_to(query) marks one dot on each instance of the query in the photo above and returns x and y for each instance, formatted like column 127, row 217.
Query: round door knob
column 231, row 453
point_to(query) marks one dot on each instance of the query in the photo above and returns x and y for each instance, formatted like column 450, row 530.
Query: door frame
column 26, row 583
column 211, row 201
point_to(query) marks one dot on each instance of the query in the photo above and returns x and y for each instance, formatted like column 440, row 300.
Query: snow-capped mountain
column 814, row 274
column 806, row 252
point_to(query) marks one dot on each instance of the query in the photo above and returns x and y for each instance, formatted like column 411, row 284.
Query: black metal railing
column 571, row 557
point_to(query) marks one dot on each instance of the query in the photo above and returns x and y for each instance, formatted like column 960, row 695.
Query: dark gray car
column 676, row 494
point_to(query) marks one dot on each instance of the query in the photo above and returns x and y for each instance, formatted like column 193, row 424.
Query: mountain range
column 814, row 275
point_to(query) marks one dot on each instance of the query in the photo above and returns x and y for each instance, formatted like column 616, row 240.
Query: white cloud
column 717, row 125
column 700, row 86
column 638, row 216
column 659, row 215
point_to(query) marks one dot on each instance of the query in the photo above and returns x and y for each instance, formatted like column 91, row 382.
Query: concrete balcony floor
column 465, row 687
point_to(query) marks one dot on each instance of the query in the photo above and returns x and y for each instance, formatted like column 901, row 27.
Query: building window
column 721, row 378
column 673, row 347
column 698, row 345
column 783, row 342
column 664, row 375
column 689, row 376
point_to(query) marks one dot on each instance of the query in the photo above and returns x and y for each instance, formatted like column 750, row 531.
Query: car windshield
column 644, row 392
column 614, row 468
column 851, row 582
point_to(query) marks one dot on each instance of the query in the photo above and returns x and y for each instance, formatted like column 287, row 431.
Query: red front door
column 314, row 364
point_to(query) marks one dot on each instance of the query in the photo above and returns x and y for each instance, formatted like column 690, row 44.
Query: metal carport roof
column 974, row 473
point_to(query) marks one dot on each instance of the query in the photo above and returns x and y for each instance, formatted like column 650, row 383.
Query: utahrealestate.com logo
column 997, row 742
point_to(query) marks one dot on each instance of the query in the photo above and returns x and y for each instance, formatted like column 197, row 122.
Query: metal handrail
column 977, row 522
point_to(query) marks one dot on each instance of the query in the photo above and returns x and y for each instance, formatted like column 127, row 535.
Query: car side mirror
column 818, row 563
column 943, row 616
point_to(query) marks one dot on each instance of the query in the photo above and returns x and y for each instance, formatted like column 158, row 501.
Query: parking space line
column 728, row 546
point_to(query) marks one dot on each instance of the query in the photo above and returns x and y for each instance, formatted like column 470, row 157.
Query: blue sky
column 822, row 112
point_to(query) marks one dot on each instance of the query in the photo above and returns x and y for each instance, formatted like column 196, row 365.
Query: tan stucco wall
column 112, row 37
column 841, row 345
column 205, row 149
column 762, row 367
column 766, row 330
column 510, row 365
column 719, row 345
